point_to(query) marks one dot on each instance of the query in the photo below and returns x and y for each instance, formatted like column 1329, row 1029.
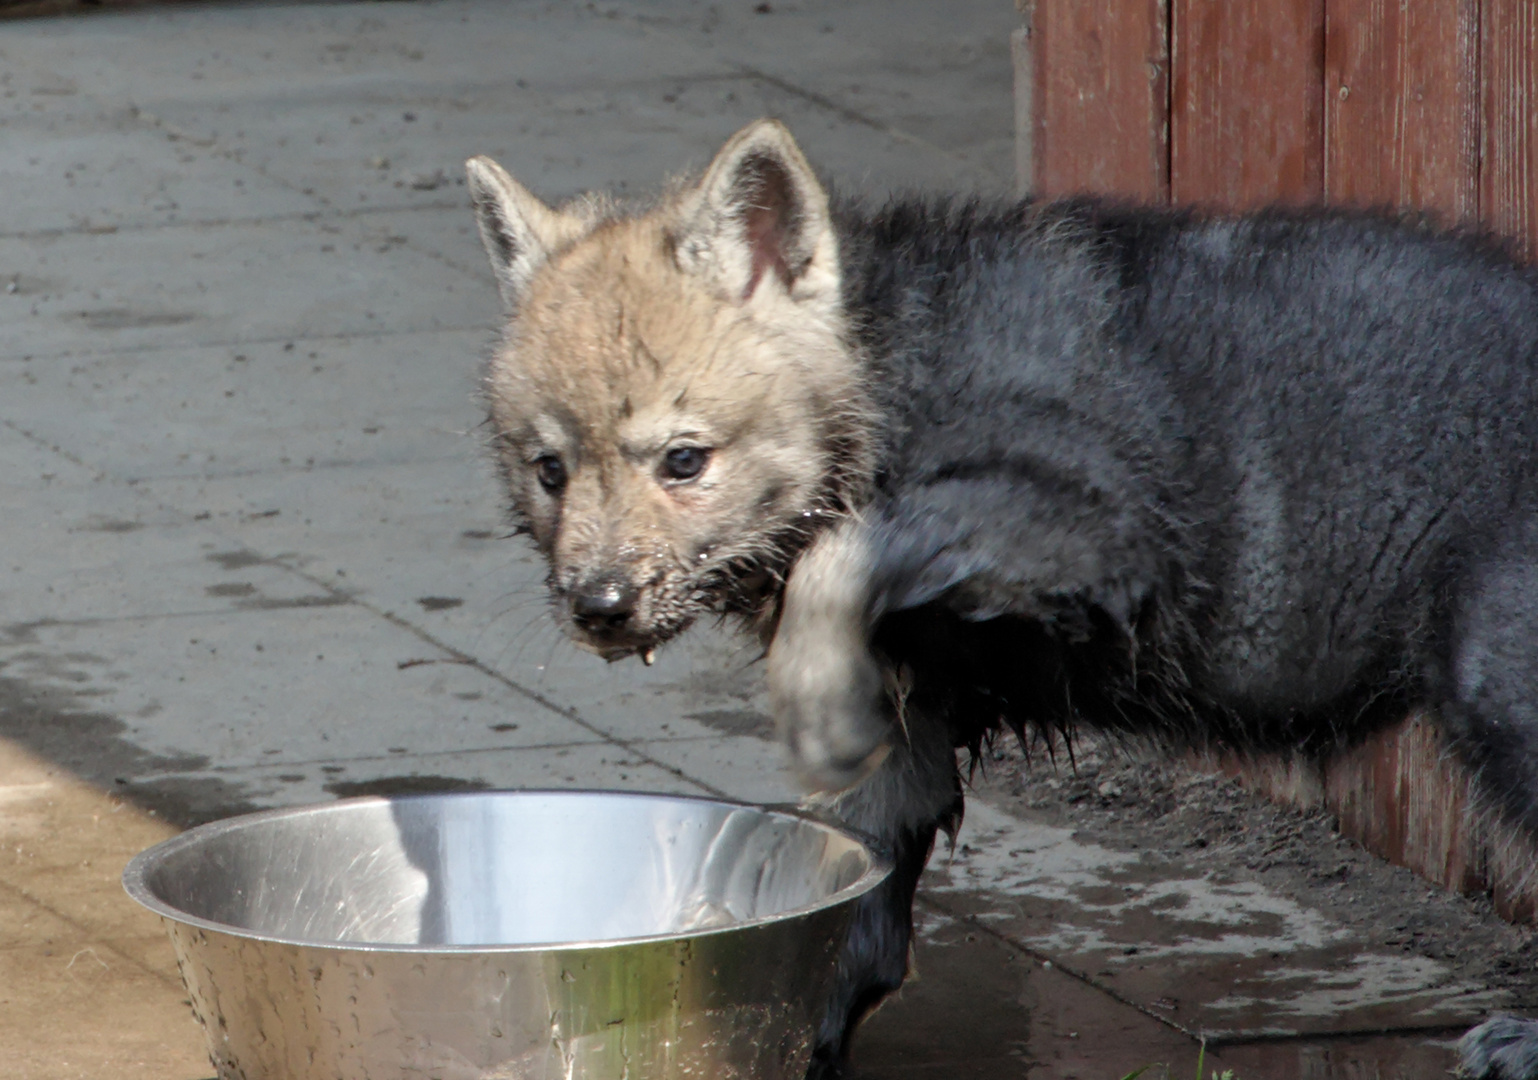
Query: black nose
column 605, row 604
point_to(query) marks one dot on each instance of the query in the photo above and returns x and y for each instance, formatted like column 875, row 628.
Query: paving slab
column 247, row 408
column 560, row 135
column 981, row 1007
column 109, row 169
column 473, row 589
column 245, row 282
column 325, row 98
column 742, row 766
column 301, row 681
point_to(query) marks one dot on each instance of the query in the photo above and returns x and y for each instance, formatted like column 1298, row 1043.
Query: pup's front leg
column 912, row 795
column 896, row 783
column 825, row 688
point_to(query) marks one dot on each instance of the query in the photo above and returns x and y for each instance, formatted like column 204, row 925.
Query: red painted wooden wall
column 1236, row 103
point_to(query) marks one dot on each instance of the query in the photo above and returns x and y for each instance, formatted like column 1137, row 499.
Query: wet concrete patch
column 979, row 1007
column 185, row 801
column 1191, row 940
column 734, row 721
column 56, row 723
column 414, row 784
column 1159, row 896
column 1350, row 1057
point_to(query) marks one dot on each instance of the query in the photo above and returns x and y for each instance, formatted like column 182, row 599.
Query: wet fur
column 1260, row 482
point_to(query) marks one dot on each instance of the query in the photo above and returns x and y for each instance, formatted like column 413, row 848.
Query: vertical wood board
column 1404, row 797
column 1508, row 149
column 1246, row 115
column 1100, row 98
column 1401, row 102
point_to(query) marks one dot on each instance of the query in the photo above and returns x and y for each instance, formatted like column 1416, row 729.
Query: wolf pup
column 1258, row 482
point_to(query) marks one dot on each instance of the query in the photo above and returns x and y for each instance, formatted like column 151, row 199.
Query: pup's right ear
column 760, row 217
column 520, row 232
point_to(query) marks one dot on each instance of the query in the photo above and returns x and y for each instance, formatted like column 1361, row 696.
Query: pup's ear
column 520, row 232
column 759, row 217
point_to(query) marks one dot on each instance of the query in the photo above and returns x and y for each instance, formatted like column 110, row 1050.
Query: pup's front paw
column 825, row 688
column 827, row 703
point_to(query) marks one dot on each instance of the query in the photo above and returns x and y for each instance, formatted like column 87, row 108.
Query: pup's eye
column 684, row 462
column 551, row 473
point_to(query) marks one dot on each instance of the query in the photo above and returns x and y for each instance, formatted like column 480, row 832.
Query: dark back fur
column 1203, row 479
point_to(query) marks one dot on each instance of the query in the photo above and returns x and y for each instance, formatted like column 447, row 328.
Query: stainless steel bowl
column 508, row 935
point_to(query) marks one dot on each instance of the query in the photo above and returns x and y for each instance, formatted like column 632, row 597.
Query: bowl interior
column 501, row 869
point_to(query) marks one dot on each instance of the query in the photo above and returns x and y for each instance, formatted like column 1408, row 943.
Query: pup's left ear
column 759, row 219
column 519, row 231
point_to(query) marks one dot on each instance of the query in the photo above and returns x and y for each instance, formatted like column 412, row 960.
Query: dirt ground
column 1123, row 797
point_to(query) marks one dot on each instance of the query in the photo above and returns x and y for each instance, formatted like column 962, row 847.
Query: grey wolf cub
column 1262, row 481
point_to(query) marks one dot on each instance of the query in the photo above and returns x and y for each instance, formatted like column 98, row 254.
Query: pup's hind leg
column 1492, row 721
column 915, row 793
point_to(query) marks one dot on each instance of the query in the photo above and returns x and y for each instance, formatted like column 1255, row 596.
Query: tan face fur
column 675, row 403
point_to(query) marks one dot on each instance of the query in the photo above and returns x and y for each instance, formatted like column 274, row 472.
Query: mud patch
column 236, row 560
column 1126, row 801
column 115, row 526
column 262, row 603
column 404, row 785
column 126, row 319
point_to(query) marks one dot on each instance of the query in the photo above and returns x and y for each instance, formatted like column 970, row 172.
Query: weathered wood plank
column 1406, row 797
column 1401, row 101
column 1246, row 111
column 1509, row 120
column 1100, row 98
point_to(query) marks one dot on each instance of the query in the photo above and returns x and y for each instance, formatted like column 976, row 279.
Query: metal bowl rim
column 134, row 873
